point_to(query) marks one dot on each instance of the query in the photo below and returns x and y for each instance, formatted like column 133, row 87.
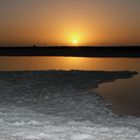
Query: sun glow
column 75, row 41
column 75, row 38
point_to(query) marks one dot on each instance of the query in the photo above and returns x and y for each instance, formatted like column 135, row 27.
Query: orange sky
column 69, row 22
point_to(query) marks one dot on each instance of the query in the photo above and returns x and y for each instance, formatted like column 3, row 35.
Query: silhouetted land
column 133, row 51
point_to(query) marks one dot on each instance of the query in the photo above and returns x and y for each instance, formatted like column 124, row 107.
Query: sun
column 75, row 41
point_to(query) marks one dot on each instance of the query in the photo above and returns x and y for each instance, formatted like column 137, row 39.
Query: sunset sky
column 69, row 22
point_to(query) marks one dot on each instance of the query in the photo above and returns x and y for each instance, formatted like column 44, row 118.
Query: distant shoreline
column 80, row 51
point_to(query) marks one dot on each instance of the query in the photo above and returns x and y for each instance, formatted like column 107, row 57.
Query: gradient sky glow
column 61, row 22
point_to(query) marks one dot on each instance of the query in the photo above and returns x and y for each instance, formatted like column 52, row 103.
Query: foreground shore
column 56, row 105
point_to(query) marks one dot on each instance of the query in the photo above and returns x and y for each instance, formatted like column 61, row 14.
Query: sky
column 69, row 22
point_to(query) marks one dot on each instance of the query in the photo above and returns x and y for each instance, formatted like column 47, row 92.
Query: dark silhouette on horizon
column 71, row 51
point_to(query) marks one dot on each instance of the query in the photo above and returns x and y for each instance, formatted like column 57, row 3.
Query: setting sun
column 75, row 41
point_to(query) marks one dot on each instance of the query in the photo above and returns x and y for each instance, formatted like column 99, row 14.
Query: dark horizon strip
column 86, row 51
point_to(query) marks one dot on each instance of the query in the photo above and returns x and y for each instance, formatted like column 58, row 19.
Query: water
column 124, row 95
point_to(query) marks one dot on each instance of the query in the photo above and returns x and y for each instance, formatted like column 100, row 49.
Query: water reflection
column 68, row 63
column 124, row 95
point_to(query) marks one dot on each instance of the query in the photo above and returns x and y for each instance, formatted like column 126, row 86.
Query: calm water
column 123, row 94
